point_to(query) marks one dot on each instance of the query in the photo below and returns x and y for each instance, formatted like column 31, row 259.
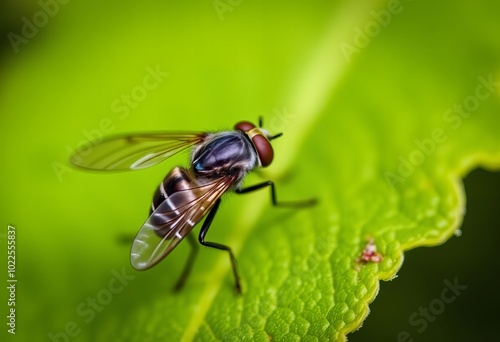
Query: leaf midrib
column 316, row 81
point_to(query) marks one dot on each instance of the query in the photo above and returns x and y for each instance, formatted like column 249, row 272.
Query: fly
column 218, row 163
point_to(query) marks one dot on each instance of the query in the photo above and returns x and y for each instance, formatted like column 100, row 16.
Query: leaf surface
column 381, row 137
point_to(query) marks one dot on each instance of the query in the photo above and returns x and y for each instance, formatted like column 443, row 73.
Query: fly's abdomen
column 177, row 180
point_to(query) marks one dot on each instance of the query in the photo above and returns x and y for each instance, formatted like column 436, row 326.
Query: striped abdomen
column 177, row 180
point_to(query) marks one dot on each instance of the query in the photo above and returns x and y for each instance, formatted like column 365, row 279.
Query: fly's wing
column 173, row 220
column 133, row 152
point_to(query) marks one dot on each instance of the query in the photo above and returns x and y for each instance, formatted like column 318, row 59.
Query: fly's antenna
column 271, row 137
column 275, row 136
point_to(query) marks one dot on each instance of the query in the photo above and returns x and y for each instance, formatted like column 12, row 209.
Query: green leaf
column 381, row 137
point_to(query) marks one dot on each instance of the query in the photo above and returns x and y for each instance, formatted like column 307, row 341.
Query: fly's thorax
column 224, row 154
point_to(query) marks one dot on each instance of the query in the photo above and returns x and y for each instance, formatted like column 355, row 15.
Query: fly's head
column 261, row 140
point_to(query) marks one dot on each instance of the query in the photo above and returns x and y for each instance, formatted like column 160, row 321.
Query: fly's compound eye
column 259, row 140
column 244, row 126
column 263, row 147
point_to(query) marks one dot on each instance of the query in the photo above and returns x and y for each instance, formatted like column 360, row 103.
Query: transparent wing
column 173, row 220
column 133, row 152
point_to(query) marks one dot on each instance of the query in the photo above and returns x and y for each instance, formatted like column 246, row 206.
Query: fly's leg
column 189, row 264
column 294, row 204
column 201, row 238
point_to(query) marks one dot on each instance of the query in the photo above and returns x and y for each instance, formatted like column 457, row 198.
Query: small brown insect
column 370, row 254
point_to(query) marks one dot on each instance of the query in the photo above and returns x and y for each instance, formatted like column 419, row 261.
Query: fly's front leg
column 201, row 238
column 294, row 204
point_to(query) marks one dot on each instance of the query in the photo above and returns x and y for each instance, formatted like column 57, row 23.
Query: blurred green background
column 81, row 73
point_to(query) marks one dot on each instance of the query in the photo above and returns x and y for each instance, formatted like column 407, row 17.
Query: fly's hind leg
column 189, row 263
